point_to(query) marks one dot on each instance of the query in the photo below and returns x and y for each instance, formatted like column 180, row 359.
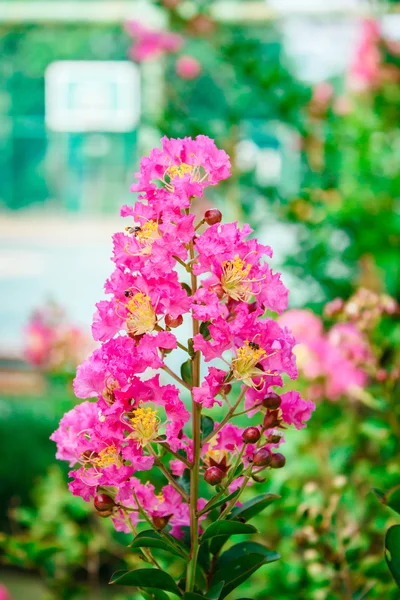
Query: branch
column 178, row 456
column 227, row 417
column 178, row 379
column 168, row 475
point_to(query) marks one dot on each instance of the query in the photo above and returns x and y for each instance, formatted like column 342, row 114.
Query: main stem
column 194, row 473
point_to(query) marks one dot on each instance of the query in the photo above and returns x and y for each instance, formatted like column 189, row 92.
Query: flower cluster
column 52, row 343
column 151, row 43
column 138, row 419
column 336, row 362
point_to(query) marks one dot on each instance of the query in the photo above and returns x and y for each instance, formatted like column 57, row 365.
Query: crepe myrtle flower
column 135, row 417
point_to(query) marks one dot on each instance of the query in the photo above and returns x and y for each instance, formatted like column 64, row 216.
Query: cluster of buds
column 365, row 308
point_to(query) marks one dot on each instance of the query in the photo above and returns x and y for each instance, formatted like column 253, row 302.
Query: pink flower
column 187, row 67
column 212, row 385
column 338, row 357
column 74, row 423
column 184, row 167
column 364, row 69
column 296, row 411
column 235, row 267
column 4, row 594
column 322, row 93
column 150, row 44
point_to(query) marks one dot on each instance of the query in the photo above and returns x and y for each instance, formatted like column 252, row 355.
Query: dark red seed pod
column 213, row 475
column 262, row 458
column 161, row 522
column 272, row 401
column 271, row 420
column 213, row 216
column 103, row 503
column 251, row 435
column 171, row 322
column 277, row 461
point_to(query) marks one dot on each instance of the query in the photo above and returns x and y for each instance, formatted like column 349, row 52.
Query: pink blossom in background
column 342, row 106
column 334, row 362
column 364, row 68
column 149, row 43
column 187, row 67
column 52, row 343
column 322, row 93
column 4, row 595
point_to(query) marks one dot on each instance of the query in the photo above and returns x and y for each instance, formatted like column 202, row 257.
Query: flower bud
column 225, row 388
column 277, row 461
column 251, row 435
column 160, row 522
column 262, row 458
column 274, row 438
column 271, row 420
column 171, row 322
column 272, row 401
column 213, row 475
column 104, row 505
column 213, row 216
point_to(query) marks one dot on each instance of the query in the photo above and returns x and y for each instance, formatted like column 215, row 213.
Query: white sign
column 92, row 96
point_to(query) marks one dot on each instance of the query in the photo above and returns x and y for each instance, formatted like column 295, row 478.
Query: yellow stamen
column 141, row 318
column 144, row 423
column 160, row 497
column 235, row 281
column 108, row 456
column 148, row 232
column 244, row 365
column 179, row 170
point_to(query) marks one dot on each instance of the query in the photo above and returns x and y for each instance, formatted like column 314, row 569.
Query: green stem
column 160, row 532
column 144, row 551
column 224, row 421
column 168, row 448
column 194, row 473
column 167, row 474
column 177, row 379
column 232, row 503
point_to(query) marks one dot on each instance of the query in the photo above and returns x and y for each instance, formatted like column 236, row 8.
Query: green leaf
column 223, row 500
column 244, row 548
column 393, row 499
column 237, row 571
column 187, row 372
column 184, row 480
column 153, row 594
column 392, row 552
column 205, row 332
column 252, row 507
column 151, row 539
column 192, row 596
column 226, row 528
column 191, row 350
column 187, row 288
column 147, row 578
column 379, row 494
column 238, row 471
column 215, row 592
column 207, row 426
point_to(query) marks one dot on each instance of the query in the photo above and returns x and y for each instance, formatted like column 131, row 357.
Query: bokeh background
column 305, row 97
